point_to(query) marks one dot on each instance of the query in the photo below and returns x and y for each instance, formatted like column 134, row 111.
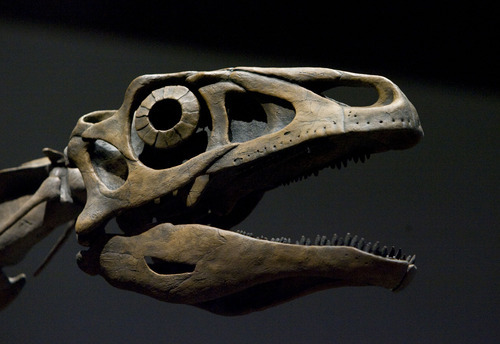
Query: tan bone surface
column 185, row 159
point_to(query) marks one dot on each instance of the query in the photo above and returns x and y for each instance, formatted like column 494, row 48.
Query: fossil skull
column 188, row 155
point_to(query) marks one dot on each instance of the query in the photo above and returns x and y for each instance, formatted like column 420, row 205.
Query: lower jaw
column 232, row 273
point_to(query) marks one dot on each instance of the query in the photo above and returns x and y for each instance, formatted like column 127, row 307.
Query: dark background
column 439, row 200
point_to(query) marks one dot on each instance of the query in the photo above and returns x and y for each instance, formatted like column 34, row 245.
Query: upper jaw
column 341, row 132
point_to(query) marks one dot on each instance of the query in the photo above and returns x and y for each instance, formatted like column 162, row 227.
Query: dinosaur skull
column 200, row 149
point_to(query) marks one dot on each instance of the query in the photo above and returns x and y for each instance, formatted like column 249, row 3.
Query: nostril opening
column 96, row 117
column 353, row 96
column 163, row 267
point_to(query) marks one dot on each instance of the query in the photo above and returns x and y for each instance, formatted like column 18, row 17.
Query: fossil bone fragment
column 188, row 156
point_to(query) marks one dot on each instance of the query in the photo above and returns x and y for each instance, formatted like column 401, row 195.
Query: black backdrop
column 439, row 41
column 438, row 200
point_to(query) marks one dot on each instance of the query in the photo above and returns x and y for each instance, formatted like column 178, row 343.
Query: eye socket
column 167, row 116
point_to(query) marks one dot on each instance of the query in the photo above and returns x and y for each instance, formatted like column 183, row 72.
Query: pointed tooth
column 412, row 260
column 323, row 240
column 317, row 240
column 384, row 251
column 347, row 240
column 368, row 247
column 361, row 243
column 392, row 252
column 334, row 240
column 354, row 241
column 375, row 248
column 341, row 241
column 398, row 254
column 302, row 240
column 308, row 242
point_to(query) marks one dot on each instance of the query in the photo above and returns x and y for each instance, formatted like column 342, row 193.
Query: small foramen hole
column 165, row 114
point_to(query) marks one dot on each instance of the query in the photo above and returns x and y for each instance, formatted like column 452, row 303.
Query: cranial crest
column 188, row 156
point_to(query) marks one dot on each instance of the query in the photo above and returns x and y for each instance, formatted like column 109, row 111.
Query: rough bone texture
column 188, row 155
column 229, row 273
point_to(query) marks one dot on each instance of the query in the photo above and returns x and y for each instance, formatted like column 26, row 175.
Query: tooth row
column 356, row 157
column 336, row 164
column 300, row 178
column 348, row 240
column 359, row 243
